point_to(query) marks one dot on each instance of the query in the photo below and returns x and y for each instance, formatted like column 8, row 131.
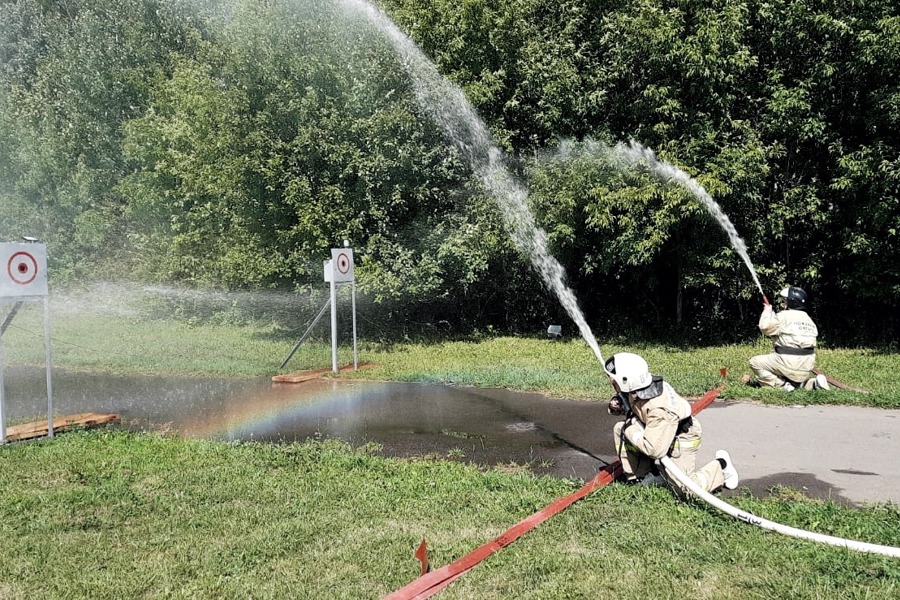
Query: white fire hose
column 752, row 519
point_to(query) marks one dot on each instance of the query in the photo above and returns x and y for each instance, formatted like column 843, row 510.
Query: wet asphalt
column 842, row 453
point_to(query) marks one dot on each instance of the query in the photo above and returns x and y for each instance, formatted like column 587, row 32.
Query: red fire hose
column 431, row 583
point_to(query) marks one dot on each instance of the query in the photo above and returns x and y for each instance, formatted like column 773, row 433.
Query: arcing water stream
column 448, row 105
column 635, row 153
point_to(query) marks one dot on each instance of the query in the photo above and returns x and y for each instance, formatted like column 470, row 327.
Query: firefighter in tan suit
column 659, row 423
column 793, row 336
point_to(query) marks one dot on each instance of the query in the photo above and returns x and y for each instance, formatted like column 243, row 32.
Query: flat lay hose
column 431, row 583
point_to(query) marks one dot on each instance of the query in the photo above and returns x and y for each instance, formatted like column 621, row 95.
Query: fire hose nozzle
column 766, row 300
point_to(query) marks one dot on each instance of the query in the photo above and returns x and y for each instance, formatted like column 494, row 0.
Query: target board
column 342, row 264
column 23, row 270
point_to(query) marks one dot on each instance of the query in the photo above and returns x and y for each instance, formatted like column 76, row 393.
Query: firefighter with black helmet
column 793, row 333
column 658, row 423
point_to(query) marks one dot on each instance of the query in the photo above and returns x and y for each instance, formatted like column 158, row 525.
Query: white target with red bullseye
column 342, row 265
column 23, row 270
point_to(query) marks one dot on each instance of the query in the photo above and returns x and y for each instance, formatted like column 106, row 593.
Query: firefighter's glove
column 634, row 432
column 615, row 406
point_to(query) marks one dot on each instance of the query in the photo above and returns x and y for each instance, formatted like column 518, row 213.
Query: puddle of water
column 490, row 427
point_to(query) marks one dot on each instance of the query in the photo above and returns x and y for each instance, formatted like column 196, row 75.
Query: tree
column 71, row 74
column 257, row 158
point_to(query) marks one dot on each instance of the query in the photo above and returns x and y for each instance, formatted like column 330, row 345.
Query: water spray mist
column 448, row 106
column 636, row 154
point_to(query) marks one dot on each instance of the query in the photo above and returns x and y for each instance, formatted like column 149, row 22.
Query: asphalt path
column 848, row 454
column 843, row 453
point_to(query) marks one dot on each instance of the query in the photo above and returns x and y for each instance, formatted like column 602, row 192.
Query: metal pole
column 353, row 302
column 49, row 366
column 9, row 317
column 334, row 360
column 2, row 397
column 308, row 329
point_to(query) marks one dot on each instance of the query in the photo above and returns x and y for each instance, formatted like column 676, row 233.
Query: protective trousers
column 634, row 463
column 776, row 369
column 683, row 453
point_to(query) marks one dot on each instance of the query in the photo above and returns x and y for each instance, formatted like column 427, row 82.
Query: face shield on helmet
column 794, row 297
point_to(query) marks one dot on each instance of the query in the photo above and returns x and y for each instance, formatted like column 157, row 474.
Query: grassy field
column 105, row 514
column 108, row 514
column 124, row 342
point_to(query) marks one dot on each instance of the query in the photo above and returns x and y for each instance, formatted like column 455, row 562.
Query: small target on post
column 23, row 278
column 342, row 265
column 339, row 270
column 23, row 270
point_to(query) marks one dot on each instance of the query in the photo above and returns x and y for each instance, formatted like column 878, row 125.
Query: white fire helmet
column 629, row 371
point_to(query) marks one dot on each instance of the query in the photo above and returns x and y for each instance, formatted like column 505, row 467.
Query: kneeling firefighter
column 658, row 423
column 793, row 333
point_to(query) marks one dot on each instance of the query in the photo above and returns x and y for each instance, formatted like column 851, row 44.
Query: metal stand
column 2, row 396
column 48, row 361
column 23, row 278
column 48, row 358
column 308, row 330
column 334, row 362
column 10, row 317
column 338, row 270
column 334, row 344
column 353, row 304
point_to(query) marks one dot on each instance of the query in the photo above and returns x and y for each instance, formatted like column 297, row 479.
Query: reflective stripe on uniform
column 679, row 445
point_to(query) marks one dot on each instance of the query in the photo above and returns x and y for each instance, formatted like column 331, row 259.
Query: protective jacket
column 661, row 417
column 793, row 329
column 793, row 357
column 663, row 426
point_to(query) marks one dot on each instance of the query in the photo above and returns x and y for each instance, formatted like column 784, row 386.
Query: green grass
column 559, row 368
column 106, row 514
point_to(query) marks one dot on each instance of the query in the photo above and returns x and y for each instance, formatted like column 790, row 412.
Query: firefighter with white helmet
column 658, row 423
column 793, row 334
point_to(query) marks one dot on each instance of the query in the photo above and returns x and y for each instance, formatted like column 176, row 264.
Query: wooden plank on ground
column 313, row 374
column 36, row 429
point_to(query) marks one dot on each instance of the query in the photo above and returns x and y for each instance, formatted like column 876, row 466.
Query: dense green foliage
column 232, row 144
